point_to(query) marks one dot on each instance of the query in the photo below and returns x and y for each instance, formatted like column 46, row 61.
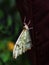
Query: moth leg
column 30, row 28
column 24, row 21
column 29, row 22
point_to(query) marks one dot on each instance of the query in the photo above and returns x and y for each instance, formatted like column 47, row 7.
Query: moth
column 23, row 42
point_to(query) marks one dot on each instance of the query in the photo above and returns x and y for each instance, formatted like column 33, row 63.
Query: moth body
column 23, row 42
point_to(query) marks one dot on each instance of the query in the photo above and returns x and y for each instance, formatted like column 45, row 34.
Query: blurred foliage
column 10, row 28
column 1, row 14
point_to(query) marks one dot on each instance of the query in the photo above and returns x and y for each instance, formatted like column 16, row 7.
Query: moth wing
column 22, row 44
column 27, row 43
column 15, row 52
column 18, row 46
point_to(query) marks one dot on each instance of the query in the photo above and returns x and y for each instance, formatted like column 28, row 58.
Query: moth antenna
column 29, row 22
column 24, row 20
column 30, row 28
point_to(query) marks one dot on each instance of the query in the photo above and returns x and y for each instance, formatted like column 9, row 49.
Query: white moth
column 23, row 42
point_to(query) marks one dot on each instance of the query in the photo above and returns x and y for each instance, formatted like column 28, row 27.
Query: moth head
column 26, row 26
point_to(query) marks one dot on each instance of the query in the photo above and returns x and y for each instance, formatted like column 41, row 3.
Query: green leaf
column 1, row 14
column 5, row 56
column 1, row 27
column 9, row 21
column 17, row 16
column 2, row 44
column 12, row 3
column 18, row 23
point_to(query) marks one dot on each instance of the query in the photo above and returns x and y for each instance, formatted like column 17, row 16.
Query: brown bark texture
column 38, row 12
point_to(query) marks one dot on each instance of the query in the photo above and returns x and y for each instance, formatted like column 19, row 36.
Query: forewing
column 22, row 44
column 18, row 48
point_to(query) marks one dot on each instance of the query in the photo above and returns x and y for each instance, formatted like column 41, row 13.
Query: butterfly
column 23, row 42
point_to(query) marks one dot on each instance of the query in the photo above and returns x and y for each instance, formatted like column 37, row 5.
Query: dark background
column 38, row 12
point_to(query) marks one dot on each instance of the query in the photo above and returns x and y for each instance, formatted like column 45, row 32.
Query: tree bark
column 38, row 12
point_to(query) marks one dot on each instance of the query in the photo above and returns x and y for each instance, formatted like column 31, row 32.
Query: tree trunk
column 38, row 12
